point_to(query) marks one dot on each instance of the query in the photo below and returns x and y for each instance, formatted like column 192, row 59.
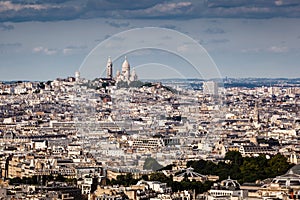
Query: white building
column 156, row 186
column 126, row 75
column 210, row 87
column 227, row 190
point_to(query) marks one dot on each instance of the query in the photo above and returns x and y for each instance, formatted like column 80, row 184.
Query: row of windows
column 221, row 194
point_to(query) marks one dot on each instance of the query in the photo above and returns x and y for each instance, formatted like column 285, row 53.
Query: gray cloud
column 117, row 24
column 215, row 41
column 23, row 11
column 5, row 45
column 9, row 47
column 45, row 50
column 52, row 10
column 120, row 4
column 214, row 31
column 5, row 27
column 37, row 1
column 169, row 26
column 278, row 49
column 252, row 3
column 104, row 38
column 70, row 50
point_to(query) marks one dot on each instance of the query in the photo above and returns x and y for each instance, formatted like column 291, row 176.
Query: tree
column 158, row 176
column 60, row 178
column 71, row 181
column 122, row 84
column 168, row 167
column 249, row 171
column 125, row 180
column 235, row 157
column 145, row 177
column 233, row 167
column 203, row 167
column 136, row 84
column 278, row 165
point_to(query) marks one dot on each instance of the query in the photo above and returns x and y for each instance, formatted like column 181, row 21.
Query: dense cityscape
column 118, row 137
column 149, row 100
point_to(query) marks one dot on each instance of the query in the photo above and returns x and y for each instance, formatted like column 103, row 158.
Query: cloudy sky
column 46, row 39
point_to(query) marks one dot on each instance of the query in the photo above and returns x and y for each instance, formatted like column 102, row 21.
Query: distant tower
column 210, row 87
column 126, row 69
column 109, row 69
column 77, row 76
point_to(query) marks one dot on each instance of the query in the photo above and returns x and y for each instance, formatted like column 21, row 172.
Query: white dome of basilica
column 125, row 65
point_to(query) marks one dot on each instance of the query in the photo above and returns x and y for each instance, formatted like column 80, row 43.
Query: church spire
column 109, row 68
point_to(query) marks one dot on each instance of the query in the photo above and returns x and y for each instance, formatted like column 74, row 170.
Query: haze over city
column 43, row 40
